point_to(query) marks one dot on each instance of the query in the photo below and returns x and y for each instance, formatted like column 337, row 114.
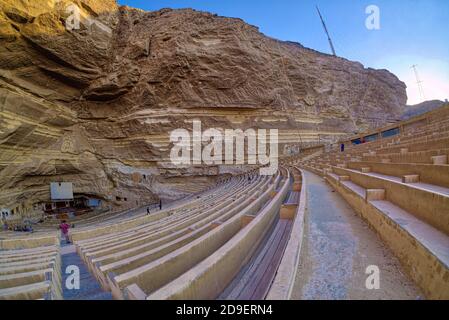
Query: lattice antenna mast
column 327, row 32
column 419, row 82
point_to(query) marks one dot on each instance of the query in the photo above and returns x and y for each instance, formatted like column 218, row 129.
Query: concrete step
column 422, row 248
column 90, row 288
column 427, row 202
column 409, row 157
column 428, row 173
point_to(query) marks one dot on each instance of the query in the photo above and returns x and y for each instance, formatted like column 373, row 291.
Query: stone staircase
column 90, row 288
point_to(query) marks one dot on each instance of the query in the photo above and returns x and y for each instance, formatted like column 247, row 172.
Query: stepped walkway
column 338, row 247
column 90, row 288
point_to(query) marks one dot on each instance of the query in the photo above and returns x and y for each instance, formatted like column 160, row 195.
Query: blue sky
column 411, row 32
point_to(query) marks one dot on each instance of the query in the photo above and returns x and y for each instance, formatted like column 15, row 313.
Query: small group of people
column 24, row 227
column 160, row 207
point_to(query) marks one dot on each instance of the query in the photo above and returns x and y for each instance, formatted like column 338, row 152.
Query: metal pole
column 419, row 82
column 327, row 32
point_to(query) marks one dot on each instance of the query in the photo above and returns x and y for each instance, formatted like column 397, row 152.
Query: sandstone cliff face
column 95, row 105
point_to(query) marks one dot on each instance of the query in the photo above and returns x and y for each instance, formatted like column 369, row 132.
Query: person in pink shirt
column 64, row 226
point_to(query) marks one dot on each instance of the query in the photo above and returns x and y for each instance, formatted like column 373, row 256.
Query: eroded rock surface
column 95, row 105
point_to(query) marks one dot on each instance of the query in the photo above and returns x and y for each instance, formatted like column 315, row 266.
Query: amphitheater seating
column 10, row 240
column 215, row 234
column 140, row 239
column 32, row 272
column 255, row 279
column 401, row 186
column 124, row 222
column 128, row 224
column 181, row 228
column 228, row 248
column 106, row 217
column 284, row 279
column 242, row 238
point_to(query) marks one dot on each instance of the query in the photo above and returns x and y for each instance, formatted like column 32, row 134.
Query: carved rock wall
column 95, row 105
